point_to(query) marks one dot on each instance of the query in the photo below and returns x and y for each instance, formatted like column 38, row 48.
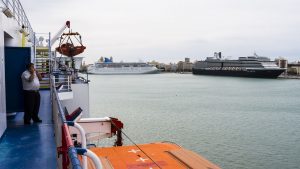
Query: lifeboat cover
column 70, row 50
column 159, row 155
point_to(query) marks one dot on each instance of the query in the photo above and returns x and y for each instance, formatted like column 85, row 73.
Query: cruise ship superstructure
column 251, row 66
column 107, row 67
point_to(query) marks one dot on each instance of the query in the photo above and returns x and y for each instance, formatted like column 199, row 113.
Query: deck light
column 8, row 12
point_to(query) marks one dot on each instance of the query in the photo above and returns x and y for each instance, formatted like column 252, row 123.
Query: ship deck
column 30, row 146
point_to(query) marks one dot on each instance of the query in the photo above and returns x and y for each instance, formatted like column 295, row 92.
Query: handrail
column 83, row 139
column 66, row 140
column 67, row 144
column 19, row 15
column 65, row 81
column 91, row 155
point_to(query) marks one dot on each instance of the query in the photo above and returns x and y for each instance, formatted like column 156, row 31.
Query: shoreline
column 289, row 77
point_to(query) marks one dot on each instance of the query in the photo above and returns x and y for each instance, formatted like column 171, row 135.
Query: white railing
column 64, row 142
column 64, row 80
column 15, row 8
column 65, row 146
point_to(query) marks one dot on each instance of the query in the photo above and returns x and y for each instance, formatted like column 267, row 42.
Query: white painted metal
column 19, row 17
column 9, row 36
column 83, row 143
column 58, row 34
column 2, row 80
column 80, row 99
column 57, row 127
column 63, row 60
column 65, row 96
column 103, row 119
column 93, row 69
column 94, row 158
column 95, row 128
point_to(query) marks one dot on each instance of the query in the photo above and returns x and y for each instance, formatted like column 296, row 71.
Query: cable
column 135, row 144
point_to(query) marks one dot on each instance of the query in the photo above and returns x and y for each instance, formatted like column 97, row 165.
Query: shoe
column 27, row 122
column 37, row 121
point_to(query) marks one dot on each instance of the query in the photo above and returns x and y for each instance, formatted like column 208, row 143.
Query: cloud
column 169, row 30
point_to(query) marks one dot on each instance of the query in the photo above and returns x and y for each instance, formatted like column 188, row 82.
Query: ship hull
column 122, row 72
column 253, row 73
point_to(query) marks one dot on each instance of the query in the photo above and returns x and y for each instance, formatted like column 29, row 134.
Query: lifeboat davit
column 67, row 47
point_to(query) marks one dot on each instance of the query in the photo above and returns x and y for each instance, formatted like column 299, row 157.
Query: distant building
column 282, row 63
column 294, row 68
column 172, row 67
column 187, row 60
column 185, row 66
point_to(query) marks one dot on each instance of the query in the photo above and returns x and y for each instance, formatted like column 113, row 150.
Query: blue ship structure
column 36, row 145
column 29, row 146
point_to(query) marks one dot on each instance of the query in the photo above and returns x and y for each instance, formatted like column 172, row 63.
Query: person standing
column 30, row 80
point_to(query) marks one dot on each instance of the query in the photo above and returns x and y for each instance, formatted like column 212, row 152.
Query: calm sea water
column 238, row 123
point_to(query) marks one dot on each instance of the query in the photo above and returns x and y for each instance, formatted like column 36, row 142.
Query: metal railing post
column 91, row 155
column 83, row 140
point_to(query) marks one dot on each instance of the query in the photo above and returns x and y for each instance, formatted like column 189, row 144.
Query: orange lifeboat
column 154, row 155
column 158, row 155
column 68, row 48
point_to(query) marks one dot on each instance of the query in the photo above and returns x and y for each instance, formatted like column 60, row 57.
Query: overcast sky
column 170, row 30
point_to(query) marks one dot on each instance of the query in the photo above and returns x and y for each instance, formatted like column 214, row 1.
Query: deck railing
column 65, row 81
column 15, row 9
column 67, row 153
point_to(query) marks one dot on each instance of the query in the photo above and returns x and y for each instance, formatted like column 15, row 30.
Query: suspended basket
column 67, row 47
column 70, row 50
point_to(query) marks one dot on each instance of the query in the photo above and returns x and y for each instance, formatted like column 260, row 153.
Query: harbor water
column 237, row 123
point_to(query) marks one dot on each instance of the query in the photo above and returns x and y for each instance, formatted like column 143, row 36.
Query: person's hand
column 31, row 70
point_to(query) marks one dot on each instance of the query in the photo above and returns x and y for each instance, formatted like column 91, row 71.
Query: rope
column 136, row 144
column 80, row 41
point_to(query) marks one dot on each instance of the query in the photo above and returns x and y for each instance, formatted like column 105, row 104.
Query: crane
column 58, row 34
column 70, row 44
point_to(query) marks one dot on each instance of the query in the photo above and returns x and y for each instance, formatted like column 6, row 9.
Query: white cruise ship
column 110, row 68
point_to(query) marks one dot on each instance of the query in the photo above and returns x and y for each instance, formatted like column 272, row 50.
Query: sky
column 170, row 30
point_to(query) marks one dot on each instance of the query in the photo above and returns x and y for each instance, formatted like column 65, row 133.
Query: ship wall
column 254, row 73
column 9, row 36
column 78, row 98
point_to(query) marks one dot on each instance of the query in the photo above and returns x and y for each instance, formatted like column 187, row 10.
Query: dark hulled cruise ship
column 251, row 66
